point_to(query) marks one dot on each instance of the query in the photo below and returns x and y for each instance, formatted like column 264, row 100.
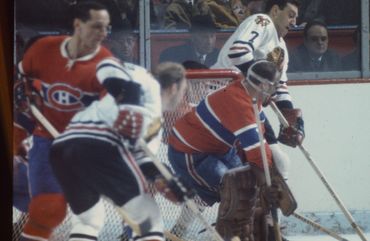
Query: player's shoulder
column 46, row 42
column 109, row 61
column 236, row 93
column 259, row 19
column 113, row 62
column 140, row 74
column 113, row 67
column 53, row 39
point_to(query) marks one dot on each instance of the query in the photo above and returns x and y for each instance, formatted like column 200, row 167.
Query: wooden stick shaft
column 266, row 169
column 319, row 227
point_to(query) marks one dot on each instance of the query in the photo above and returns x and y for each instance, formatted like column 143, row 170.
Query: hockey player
column 260, row 36
column 91, row 158
column 65, row 69
column 202, row 149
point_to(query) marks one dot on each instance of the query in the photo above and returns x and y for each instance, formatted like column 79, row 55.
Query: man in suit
column 201, row 46
column 313, row 55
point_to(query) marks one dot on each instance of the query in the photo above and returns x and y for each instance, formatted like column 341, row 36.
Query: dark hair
column 82, row 10
column 169, row 73
column 281, row 3
column 312, row 23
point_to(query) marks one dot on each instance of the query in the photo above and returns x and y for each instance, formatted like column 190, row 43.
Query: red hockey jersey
column 67, row 85
column 221, row 119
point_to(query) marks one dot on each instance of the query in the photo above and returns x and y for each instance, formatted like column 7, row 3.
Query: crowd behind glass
column 318, row 25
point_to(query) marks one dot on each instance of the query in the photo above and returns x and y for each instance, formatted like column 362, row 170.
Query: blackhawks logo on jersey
column 263, row 21
column 277, row 56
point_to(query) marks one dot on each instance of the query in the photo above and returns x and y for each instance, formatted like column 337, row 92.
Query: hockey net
column 178, row 219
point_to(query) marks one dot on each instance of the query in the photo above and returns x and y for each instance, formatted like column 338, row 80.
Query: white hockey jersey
column 256, row 38
column 97, row 120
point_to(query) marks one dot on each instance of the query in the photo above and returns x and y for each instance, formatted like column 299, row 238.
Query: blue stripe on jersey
column 249, row 137
column 213, row 124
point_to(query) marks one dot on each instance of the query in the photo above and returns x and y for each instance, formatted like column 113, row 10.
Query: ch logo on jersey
column 262, row 21
column 64, row 97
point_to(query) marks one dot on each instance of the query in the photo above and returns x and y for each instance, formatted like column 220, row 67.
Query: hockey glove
column 130, row 122
column 21, row 102
column 25, row 92
column 173, row 190
column 294, row 134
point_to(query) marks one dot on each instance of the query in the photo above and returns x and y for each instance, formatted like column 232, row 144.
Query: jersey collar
column 63, row 50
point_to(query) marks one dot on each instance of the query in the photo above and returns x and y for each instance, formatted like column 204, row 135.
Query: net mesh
column 178, row 219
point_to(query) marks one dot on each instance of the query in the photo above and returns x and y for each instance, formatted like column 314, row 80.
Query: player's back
column 211, row 127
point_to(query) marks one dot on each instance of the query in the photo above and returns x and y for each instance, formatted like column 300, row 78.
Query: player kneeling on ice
column 92, row 158
column 216, row 149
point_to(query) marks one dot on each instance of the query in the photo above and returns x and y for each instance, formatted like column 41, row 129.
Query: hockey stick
column 349, row 217
column 266, row 169
column 44, row 122
column 188, row 201
column 319, row 227
column 54, row 132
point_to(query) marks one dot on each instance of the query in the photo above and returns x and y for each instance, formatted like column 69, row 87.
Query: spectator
column 200, row 48
column 247, row 8
column 240, row 10
column 313, row 54
column 310, row 10
column 178, row 15
column 225, row 14
column 159, row 8
column 255, row 6
column 123, row 45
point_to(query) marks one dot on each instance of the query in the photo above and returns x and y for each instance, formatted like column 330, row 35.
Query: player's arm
column 293, row 135
column 127, row 117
